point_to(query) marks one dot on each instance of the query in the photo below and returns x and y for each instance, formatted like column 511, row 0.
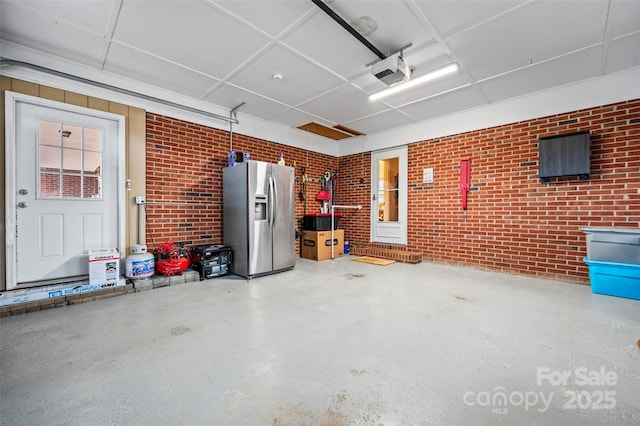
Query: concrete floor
column 330, row 343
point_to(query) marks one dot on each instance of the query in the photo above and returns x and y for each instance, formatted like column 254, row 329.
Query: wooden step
column 399, row 254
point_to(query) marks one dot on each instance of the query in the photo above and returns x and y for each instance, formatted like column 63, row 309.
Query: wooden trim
column 76, row 99
column 99, row 104
column 52, row 94
column 25, row 87
column 136, row 171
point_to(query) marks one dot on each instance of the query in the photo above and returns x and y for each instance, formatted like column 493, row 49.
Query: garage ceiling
column 227, row 52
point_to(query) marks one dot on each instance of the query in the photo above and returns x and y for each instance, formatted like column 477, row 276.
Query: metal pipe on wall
column 11, row 62
column 233, row 114
column 172, row 203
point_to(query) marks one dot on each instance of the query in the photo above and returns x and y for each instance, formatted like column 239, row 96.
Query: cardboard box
column 104, row 266
column 316, row 245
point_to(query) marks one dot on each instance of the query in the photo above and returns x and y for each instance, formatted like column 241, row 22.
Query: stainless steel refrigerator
column 259, row 217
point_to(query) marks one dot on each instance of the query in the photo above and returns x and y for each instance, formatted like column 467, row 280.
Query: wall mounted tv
column 564, row 155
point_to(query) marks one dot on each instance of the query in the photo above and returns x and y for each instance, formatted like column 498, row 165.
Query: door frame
column 11, row 101
column 403, row 196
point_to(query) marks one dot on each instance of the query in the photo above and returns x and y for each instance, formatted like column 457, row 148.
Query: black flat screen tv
column 565, row 155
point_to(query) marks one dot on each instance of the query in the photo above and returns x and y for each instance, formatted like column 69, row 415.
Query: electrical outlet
column 140, row 199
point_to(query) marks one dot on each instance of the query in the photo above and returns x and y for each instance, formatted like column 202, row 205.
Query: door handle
column 271, row 202
column 374, row 197
column 22, row 205
column 275, row 198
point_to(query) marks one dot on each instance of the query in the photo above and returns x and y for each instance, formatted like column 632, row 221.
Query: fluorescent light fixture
column 451, row 68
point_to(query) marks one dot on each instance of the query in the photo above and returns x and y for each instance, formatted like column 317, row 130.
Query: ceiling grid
column 220, row 53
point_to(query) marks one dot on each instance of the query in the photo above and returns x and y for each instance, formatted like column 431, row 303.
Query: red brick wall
column 513, row 222
column 184, row 174
column 354, row 188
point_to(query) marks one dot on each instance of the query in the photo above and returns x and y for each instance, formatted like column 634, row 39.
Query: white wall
column 618, row 87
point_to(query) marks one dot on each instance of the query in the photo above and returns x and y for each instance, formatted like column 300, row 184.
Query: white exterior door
column 389, row 196
column 65, row 199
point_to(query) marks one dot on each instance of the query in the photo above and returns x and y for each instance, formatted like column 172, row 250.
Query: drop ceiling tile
column 442, row 84
column 344, row 104
column 624, row 17
column 325, row 131
column 191, row 33
column 536, row 32
column 383, row 121
column 450, row 17
column 426, row 57
column 623, row 53
column 368, row 83
column 229, row 97
column 322, row 40
column 564, row 70
column 92, row 16
column 294, row 118
column 151, row 70
column 301, row 79
column 457, row 100
column 272, row 17
column 397, row 25
column 53, row 36
column 190, row 46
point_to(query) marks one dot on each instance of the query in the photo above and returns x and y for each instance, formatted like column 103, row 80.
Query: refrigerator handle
column 275, row 199
column 271, row 202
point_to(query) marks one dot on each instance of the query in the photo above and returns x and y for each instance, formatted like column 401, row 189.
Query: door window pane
column 50, row 185
column 49, row 133
column 388, row 170
column 49, row 159
column 71, row 186
column 93, row 139
column 92, row 164
column 69, row 161
column 92, row 187
column 71, row 136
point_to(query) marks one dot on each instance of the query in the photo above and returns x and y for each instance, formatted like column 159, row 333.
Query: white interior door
column 389, row 196
column 66, row 192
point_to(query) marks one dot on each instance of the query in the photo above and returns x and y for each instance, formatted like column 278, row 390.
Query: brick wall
column 184, row 178
column 513, row 222
column 354, row 188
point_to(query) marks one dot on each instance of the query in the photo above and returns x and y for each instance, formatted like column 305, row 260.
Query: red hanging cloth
column 465, row 179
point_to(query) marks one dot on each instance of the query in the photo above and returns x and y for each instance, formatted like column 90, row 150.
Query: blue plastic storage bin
column 614, row 279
